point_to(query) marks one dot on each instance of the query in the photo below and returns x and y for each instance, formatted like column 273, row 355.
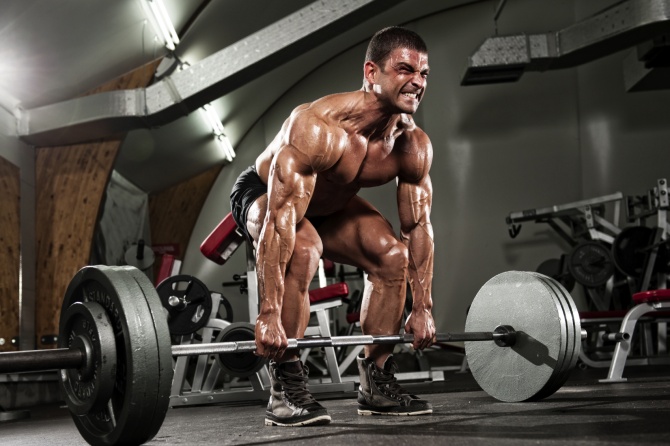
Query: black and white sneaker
column 380, row 393
column 291, row 403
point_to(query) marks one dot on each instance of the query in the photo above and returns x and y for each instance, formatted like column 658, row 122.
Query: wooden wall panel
column 174, row 211
column 70, row 186
column 10, row 236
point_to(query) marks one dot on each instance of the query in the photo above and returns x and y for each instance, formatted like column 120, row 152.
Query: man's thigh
column 305, row 234
column 256, row 216
column 357, row 235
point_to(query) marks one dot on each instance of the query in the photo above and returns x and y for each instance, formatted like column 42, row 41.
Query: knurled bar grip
column 335, row 341
column 35, row 360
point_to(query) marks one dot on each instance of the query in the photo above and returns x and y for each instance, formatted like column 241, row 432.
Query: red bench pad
column 165, row 271
column 352, row 318
column 336, row 290
column 610, row 314
column 651, row 296
column 618, row 314
column 223, row 241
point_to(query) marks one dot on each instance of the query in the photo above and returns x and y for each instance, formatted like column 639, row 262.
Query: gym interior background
column 551, row 137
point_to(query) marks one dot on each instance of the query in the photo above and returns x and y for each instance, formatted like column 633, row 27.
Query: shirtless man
column 298, row 203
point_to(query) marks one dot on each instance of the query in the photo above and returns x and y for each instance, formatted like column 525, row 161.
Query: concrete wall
column 551, row 138
column 10, row 146
column 23, row 156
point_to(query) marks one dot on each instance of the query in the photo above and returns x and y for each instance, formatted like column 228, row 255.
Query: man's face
column 401, row 82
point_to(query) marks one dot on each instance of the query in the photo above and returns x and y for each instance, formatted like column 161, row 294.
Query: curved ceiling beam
column 106, row 114
column 626, row 24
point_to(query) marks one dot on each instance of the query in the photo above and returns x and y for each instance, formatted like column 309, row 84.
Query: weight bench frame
column 647, row 302
column 559, row 218
column 201, row 389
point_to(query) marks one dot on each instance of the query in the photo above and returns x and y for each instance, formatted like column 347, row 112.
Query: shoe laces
column 386, row 380
column 294, row 386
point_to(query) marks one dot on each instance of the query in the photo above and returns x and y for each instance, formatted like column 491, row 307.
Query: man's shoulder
column 308, row 120
column 339, row 99
column 327, row 104
column 414, row 136
column 324, row 112
column 416, row 154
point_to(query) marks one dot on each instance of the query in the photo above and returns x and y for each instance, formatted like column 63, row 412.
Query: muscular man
column 299, row 202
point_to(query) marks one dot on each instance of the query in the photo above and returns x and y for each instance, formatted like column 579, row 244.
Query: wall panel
column 174, row 211
column 70, row 185
column 9, row 252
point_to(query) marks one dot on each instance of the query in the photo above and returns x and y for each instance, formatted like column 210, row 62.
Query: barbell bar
column 116, row 359
column 504, row 336
column 37, row 360
column 76, row 357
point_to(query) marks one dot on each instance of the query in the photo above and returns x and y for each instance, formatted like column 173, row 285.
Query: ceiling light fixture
column 160, row 20
column 211, row 117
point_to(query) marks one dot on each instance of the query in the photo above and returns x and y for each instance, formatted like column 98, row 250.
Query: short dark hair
column 386, row 40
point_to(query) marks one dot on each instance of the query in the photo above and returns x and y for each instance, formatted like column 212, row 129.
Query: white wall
column 551, row 138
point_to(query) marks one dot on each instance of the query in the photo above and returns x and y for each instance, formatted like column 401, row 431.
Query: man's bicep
column 415, row 189
column 291, row 183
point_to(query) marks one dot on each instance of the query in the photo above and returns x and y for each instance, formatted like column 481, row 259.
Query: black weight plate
column 591, row 264
column 225, row 305
column 240, row 364
column 153, row 399
column 625, row 249
column 574, row 338
column 89, row 387
column 164, row 353
column 524, row 301
column 628, row 254
column 196, row 314
column 127, row 417
column 555, row 269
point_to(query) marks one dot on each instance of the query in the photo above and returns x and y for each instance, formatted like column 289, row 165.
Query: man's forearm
column 420, row 246
column 274, row 250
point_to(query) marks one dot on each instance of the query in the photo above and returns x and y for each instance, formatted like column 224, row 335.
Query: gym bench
column 647, row 303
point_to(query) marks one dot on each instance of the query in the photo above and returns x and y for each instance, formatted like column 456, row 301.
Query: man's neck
column 372, row 119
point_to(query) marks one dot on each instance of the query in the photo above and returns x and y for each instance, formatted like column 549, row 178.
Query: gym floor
column 583, row 412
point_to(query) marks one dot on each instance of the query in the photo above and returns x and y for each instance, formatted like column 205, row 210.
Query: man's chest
column 365, row 164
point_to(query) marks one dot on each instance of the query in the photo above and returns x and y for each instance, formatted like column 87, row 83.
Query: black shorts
column 246, row 190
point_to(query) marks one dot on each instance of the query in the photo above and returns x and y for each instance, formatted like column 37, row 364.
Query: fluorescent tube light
column 212, row 119
column 160, row 21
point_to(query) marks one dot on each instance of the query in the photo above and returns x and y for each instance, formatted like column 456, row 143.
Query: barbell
column 115, row 356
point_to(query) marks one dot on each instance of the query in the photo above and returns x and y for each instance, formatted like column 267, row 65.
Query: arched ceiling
column 55, row 50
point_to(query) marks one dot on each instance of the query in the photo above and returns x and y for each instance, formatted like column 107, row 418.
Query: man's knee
column 305, row 259
column 307, row 256
column 256, row 216
column 392, row 260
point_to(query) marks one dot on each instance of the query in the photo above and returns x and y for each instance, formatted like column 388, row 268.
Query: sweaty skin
column 325, row 152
